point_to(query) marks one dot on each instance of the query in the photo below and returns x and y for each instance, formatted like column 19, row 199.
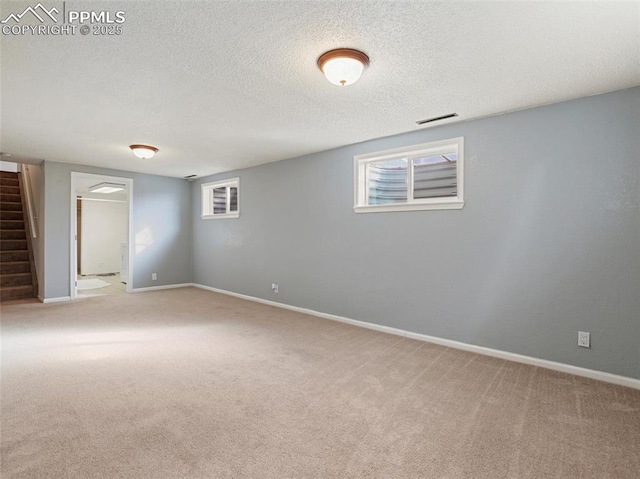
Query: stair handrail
column 33, row 219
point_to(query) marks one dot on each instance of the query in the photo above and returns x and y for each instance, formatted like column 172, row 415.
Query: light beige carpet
column 190, row 384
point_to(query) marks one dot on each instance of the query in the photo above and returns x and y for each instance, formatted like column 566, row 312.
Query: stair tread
column 9, row 264
column 16, row 274
column 15, row 267
column 13, row 223
column 16, row 288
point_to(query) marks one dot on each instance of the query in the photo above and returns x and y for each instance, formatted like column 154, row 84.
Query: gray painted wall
column 547, row 244
column 161, row 208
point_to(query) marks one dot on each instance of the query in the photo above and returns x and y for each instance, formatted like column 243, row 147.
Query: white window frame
column 206, row 190
column 361, row 190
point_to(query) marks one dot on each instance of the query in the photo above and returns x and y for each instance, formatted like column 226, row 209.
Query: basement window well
column 221, row 199
column 419, row 177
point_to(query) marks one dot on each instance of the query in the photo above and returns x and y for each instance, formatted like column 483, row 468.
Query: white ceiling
column 218, row 86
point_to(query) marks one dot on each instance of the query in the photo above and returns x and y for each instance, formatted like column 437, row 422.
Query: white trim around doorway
column 73, row 250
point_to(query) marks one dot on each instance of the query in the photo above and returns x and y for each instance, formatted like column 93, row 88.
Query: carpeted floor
column 190, row 384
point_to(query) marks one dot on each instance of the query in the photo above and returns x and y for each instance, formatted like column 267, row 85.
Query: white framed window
column 221, row 199
column 418, row 177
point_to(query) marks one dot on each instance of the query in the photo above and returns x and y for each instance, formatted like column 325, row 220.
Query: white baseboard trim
column 61, row 299
column 157, row 288
column 518, row 358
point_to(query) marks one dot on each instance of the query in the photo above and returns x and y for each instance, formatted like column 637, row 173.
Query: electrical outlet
column 584, row 339
column 274, row 287
column 154, row 277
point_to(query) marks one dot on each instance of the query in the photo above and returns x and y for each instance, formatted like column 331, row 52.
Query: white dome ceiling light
column 343, row 66
column 143, row 151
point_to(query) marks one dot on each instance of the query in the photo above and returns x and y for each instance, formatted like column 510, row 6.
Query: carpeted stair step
column 14, row 255
column 11, row 267
column 10, row 215
column 13, row 245
column 10, row 206
column 16, row 292
column 13, row 235
column 11, row 225
column 9, row 182
column 10, row 197
column 10, row 189
column 15, row 279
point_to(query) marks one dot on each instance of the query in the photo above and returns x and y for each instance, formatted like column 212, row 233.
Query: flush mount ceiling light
column 343, row 66
column 143, row 151
column 106, row 188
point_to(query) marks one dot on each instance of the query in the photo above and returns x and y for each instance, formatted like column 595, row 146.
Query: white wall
column 36, row 181
column 8, row 166
column 104, row 227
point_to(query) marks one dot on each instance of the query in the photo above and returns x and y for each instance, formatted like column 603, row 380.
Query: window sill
column 220, row 217
column 445, row 205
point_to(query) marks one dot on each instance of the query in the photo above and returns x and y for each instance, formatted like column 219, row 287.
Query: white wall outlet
column 274, row 287
column 154, row 276
column 584, row 339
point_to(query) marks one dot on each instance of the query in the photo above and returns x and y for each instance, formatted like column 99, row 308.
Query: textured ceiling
column 224, row 85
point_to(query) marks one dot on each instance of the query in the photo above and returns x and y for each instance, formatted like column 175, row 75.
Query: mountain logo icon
column 34, row 10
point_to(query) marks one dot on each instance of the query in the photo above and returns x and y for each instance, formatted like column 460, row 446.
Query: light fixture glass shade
column 106, row 188
column 143, row 151
column 343, row 66
column 343, row 71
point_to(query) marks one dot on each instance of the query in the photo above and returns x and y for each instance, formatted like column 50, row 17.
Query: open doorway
column 101, row 231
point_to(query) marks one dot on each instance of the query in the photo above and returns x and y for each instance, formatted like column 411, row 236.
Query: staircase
column 17, row 272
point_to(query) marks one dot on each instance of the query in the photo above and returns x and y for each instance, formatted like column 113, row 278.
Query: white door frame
column 73, row 236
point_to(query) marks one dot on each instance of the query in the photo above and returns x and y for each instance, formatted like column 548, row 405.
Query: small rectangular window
column 221, row 199
column 419, row 177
